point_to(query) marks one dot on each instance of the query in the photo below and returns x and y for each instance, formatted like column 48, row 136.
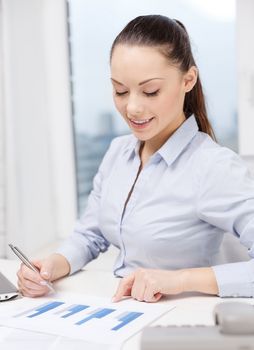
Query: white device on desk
column 7, row 289
column 233, row 330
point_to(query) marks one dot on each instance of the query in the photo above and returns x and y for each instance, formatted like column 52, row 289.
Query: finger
column 31, row 292
column 138, row 289
column 151, row 295
column 38, row 285
column 28, row 274
column 28, row 293
column 32, row 287
column 124, row 288
column 155, row 298
column 45, row 267
column 29, row 284
column 23, row 289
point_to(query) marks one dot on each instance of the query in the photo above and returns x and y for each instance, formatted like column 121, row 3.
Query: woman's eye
column 121, row 93
column 149, row 94
column 154, row 93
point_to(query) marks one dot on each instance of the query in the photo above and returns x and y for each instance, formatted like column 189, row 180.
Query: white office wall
column 245, row 64
column 40, row 200
column 2, row 160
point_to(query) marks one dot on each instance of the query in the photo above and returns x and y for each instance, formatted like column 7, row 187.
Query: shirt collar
column 132, row 149
column 173, row 147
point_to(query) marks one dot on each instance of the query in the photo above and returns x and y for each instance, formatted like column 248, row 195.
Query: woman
column 166, row 194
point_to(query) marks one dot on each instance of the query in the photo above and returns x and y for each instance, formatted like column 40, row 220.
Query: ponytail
column 194, row 103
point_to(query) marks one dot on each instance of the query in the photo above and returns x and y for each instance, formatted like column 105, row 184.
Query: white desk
column 190, row 309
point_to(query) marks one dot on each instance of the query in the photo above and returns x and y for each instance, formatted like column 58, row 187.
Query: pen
column 27, row 262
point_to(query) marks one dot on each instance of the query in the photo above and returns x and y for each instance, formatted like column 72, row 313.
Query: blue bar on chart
column 27, row 312
column 63, row 309
column 49, row 306
column 100, row 313
column 127, row 318
column 74, row 309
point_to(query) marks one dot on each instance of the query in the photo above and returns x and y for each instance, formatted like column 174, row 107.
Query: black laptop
column 7, row 289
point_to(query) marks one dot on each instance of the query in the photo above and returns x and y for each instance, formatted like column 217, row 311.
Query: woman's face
column 148, row 91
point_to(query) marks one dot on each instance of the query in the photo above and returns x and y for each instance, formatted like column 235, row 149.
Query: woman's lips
column 140, row 123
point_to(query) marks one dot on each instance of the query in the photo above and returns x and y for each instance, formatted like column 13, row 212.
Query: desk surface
column 190, row 308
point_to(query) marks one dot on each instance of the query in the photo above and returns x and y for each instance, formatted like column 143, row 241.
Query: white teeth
column 141, row 121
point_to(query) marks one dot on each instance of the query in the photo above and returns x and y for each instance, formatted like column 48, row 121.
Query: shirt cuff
column 235, row 279
column 74, row 254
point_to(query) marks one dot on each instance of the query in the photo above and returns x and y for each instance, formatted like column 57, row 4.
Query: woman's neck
column 149, row 147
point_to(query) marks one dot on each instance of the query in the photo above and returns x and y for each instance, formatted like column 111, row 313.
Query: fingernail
column 45, row 273
column 43, row 283
column 113, row 299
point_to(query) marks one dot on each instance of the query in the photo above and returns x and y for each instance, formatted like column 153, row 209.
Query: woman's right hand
column 33, row 284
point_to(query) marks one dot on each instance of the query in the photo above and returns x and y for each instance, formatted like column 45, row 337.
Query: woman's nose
column 134, row 106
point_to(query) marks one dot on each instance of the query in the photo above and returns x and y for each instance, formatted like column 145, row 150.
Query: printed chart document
column 91, row 319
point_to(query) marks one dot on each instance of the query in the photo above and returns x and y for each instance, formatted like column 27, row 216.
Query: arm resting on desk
column 150, row 285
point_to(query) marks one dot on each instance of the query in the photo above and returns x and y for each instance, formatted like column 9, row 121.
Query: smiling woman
column 156, row 80
column 151, row 103
column 96, row 122
column 166, row 194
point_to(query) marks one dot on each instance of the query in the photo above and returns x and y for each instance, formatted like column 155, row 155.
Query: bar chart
column 89, row 318
column 71, row 310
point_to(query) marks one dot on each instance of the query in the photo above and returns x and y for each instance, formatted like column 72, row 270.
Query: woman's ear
column 190, row 78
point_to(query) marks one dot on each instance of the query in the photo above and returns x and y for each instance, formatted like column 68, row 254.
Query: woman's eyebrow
column 141, row 83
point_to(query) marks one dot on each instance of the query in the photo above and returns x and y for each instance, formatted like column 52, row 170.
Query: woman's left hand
column 149, row 285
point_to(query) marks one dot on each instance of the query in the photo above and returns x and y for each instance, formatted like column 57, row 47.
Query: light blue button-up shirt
column 187, row 195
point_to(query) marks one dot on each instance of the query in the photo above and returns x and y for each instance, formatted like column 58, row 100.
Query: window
column 93, row 27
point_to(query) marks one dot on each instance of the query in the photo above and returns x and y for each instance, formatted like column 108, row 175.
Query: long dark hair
column 172, row 39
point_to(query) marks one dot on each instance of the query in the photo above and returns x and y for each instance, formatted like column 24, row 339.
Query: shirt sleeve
column 87, row 241
column 226, row 200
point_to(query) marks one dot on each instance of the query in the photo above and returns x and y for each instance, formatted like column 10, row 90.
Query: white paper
column 13, row 339
column 91, row 319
